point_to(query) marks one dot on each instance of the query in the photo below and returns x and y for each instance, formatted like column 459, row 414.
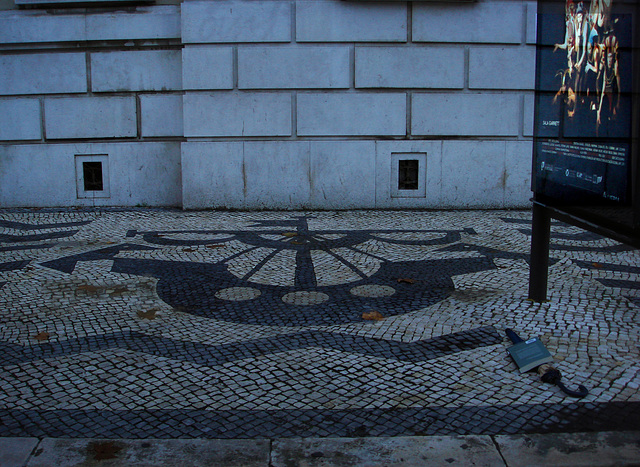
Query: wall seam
column 43, row 128
column 138, row 116
column 88, row 71
column 294, row 115
column 409, row 22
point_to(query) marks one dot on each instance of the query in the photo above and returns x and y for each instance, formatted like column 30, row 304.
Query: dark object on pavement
column 548, row 373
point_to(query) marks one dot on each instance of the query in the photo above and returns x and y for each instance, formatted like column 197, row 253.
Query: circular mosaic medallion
column 373, row 291
column 305, row 298
column 238, row 294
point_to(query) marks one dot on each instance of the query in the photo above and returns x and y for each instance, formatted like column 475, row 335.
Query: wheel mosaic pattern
column 160, row 323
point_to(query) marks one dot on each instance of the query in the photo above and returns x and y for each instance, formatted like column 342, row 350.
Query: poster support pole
column 539, row 261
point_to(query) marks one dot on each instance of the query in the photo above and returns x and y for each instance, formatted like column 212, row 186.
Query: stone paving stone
column 163, row 323
column 14, row 452
column 113, row 452
column 436, row 451
column 602, row 449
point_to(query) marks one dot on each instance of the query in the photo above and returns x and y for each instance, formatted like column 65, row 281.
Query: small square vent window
column 92, row 176
column 408, row 175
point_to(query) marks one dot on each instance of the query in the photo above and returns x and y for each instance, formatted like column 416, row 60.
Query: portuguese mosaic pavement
column 169, row 324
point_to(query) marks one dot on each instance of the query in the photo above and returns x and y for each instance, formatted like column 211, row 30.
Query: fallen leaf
column 296, row 243
column 406, row 281
column 189, row 250
column 596, row 265
column 290, row 234
column 149, row 314
column 372, row 316
column 41, row 336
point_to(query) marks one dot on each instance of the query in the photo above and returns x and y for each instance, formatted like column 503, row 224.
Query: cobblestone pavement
column 151, row 323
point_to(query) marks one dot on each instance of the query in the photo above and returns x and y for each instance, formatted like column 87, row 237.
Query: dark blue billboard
column 584, row 101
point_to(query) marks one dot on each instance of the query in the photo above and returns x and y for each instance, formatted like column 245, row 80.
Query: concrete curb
column 566, row 449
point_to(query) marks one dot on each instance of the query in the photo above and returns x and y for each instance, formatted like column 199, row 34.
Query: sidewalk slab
column 16, row 451
column 406, row 451
column 571, row 449
column 153, row 452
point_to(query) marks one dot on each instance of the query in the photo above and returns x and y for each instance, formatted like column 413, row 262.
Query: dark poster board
column 585, row 137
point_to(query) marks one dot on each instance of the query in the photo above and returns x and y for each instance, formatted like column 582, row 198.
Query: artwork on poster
column 584, row 89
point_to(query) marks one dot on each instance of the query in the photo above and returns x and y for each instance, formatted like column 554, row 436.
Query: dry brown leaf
column 596, row 265
column 406, row 281
column 42, row 336
column 149, row 314
column 290, row 234
column 372, row 316
column 189, row 250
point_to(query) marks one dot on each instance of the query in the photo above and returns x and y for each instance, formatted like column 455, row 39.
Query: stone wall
column 270, row 104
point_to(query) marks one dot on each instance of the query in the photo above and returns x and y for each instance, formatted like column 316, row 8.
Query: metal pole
column 539, row 262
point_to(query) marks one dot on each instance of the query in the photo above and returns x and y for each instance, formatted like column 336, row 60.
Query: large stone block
column 410, row 67
column 213, row 175
column 237, row 114
column 38, row 26
column 395, row 450
column 152, row 22
column 331, row 21
column 473, row 174
column 277, row 174
column 488, row 22
column 293, row 67
column 603, row 448
column 37, row 175
column 44, row 174
column 502, row 68
column 528, row 114
column 532, row 22
column 20, row 119
column 144, row 173
column 213, row 452
column 137, row 70
column 236, row 21
column 249, row 175
column 43, row 73
column 349, row 114
column 465, row 114
column 16, row 451
column 342, row 174
column 90, row 117
column 207, row 67
column 517, row 180
column 161, row 115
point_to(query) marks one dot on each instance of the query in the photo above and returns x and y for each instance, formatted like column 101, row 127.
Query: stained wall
column 269, row 104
